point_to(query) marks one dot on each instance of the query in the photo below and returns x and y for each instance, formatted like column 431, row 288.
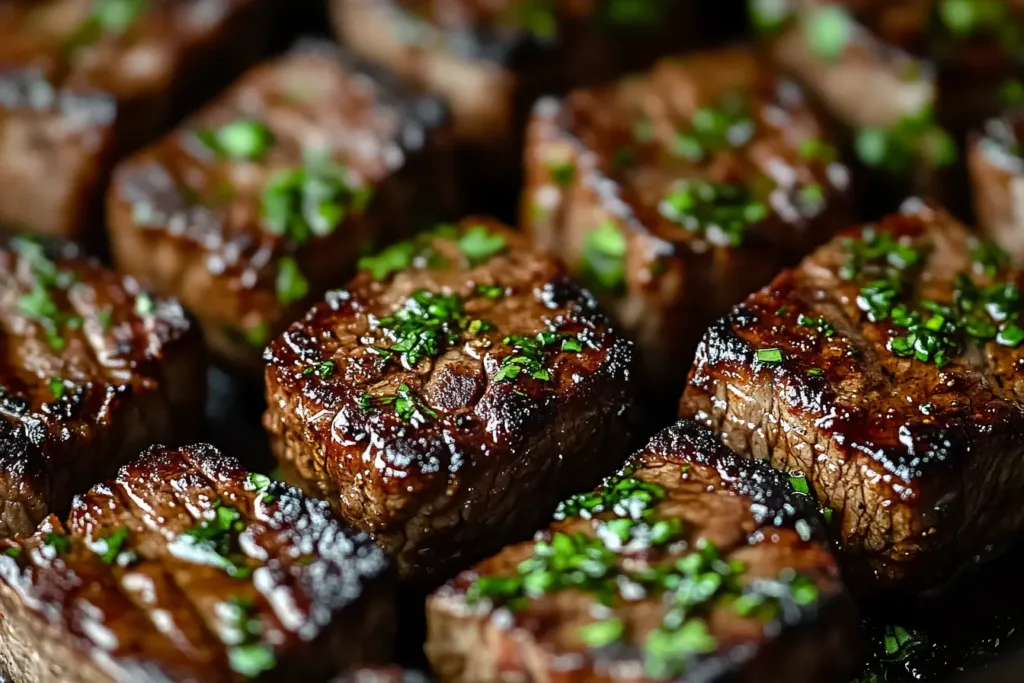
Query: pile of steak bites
column 741, row 366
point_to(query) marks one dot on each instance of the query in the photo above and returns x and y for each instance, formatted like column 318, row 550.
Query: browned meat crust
column 996, row 161
column 906, row 426
column 93, row 372
column 81, row 85
column 614, row 179
column 188, row 568
column 686, row 545
column 197, row 215
column 450, row 396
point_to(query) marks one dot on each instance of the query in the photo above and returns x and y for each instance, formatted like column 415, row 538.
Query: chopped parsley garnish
column 528, row 355
column 261, row 483
column 914, row 138
column 799, row 483
column 144, row 305
column 14, row 552
column 827, row 514
column 769, row 356
column 988, row 258
column 811, row 198
column 633, row 14
column 38, row 304
column 828, row 30
column 967, row 18
column 246, row 139
column 248, row 655
column 393, row 259
column 769, row 15
column 721, row 213
column 323, row 369
column 424, row 325
column 816, row 149
column 716, row 128
column 112, row 17
column 291, row 285
column 562, row 172
column 57, row 387
column 1011, row 94
column 408, row 406
column 311, row 200
column 214, row 542
column 106, row 319
column 815, row 372
column 111, row 548
column 59, row 544
column 490, row 291
column 603, row 259
column 257, row 335
column 819, row 324
column 536, row 17
column 900, row 642
column 478, row 244
column 602, row 633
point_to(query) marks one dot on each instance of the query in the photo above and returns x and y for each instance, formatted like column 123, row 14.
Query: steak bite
column 188, row 568
column 676, row 194
column 996, row 161
column 885, row 368
column 94, row 370
column 900, row 78
column 690, row 564
column 382, row 674
column 491, row 60
column 83, row 83
column 458, row 375
column 266, row 198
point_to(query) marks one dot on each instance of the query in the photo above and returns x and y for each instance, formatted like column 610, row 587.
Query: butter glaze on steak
column 83, row 83
column 444, row 454
column 916, row 457
column 194, row 215
column 129, row 590
column 606, row 172
column 686, row 524
column 93, row 371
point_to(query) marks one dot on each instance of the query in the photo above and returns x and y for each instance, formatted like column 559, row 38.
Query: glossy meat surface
column 188, row 568
column 93, row 371
column 692, row 564
column 675, row 194
column 887, row 368
column 82, row 83
column 451, row 395
column 268, row 196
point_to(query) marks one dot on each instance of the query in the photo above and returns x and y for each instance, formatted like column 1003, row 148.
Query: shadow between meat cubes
column 886, row 370
column 82, row 85
column 451, row 395
column 676, row 193
column 692, row 564
column 188, row 567
column 267, row 197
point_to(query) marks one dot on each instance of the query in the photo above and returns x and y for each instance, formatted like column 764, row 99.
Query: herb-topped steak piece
column 188, row 568
column 266, row 198
column 94, row 371
column 676, row 194
column 83, row 82
column 492, row 59
column 449, row 397
column 887, row 369
column 692, row 564
column 996, row 161
column 900, row 78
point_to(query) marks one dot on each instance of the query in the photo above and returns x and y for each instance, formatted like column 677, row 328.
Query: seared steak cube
column 996, row 160
column 382, row 674
column 268, row 196
column 451, row 395
column 186, row 567
column 490, row 60
column 900, row 77
column 692, row 564
column 676, row 194
column 94, row 370
column 886, row 368
column 84, row 82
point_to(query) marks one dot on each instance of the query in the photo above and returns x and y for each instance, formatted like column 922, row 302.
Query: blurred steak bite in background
column 887, row 369
column 996, row 161
column 676, row 193
column 491, row 60
column 93, row 371
column 186, row 567
column 691, row 564
column 451, row 395
column 83, row 83
column 268, row 196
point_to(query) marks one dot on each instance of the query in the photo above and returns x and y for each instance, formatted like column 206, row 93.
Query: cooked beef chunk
column 900, row 77
column 886, row 367
column 186, row 567
column 94, row 370
column 266, row 198
column 691, row 564
column 996, row 161
column 83, row 83
column 382, row 674
column 676, row 194
column 492, row 59
column 449, row 397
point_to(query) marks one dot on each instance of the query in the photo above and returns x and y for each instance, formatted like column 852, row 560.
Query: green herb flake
column 799, row 483
column 214, row 541
column 243, row 139
column 602, row 633
column 13, row 552
column 57, row 387
column 59, row 544
column 110, row 547
column 899, row 642
column 815, row 372
column 322, row 369
column 816, row 149
column 826, row 513
column 291, row 285
column 819, row 324
column 988, row 258
column 257, row 335
column 769, row 356
column 915, row 138
column 603, row 258
column 490, row 291
column 144, row 305
column 720, row 213
column 828, row 30
column 562, row 172
column 478, row 245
